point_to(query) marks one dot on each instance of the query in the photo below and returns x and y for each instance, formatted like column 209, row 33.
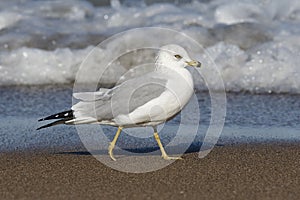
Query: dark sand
column 266, row 171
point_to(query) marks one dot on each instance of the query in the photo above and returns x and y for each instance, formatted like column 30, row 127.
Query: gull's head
column 174, row 56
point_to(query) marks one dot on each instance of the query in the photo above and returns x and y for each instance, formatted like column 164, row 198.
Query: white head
column 174, row 56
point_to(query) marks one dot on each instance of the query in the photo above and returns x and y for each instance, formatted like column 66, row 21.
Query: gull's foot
column 166, row 157
column 110, row 151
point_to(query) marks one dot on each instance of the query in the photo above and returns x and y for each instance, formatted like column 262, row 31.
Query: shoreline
column 244, row 171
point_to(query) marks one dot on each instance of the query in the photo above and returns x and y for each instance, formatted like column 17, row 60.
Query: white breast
column 179, row 90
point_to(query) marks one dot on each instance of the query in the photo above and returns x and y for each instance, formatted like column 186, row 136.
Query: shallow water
column 250, row 118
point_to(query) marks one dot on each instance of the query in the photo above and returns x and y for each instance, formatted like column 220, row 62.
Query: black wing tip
column 61, row 115
column 41, row 127
column 61, row 121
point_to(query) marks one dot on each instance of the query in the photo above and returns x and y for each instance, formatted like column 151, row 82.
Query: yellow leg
column 112, row 144
column 163, row 152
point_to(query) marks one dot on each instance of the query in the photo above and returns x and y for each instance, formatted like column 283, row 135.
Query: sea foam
column 254, row 44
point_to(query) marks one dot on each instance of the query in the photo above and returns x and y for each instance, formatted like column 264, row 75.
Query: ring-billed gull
column 148, row 100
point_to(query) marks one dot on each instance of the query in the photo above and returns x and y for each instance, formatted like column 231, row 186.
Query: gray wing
column 122, row 99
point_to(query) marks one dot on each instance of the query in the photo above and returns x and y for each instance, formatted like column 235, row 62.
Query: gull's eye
column 178, row 56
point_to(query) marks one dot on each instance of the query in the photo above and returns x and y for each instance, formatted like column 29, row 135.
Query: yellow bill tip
column 194, row 63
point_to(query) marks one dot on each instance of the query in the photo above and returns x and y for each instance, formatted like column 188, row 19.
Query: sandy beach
column 256, row 171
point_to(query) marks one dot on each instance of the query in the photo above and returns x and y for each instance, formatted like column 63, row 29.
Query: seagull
column 147, row 100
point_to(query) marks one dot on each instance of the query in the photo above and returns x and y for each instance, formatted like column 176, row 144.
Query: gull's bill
column 194, row 63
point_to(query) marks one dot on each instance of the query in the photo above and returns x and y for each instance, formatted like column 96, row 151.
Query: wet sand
column 261, row 171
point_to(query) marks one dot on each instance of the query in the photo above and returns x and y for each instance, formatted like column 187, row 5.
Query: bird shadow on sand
column 180, row 149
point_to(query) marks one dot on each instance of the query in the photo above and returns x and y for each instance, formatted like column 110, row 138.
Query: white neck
column 177, row 72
